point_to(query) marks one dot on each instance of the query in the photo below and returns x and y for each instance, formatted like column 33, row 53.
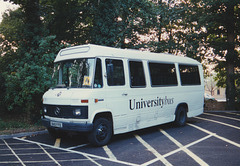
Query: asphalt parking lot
column 210, row 139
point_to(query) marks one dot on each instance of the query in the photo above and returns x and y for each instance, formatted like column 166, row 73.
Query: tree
column 204, row 30
column 32, row 35
column 120, row 23
column 167, row 28
column 68, row 20
column 11, row 30
column 210, row 84
column 214, row 34
column 222, row 23
column 28, row 54
column 176, row 30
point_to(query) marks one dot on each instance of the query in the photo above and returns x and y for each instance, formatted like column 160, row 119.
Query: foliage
column 65, row 19
column 120, row 23
column 10, row 29
column 31, row 36
column 204, row 30
column 221, row 22
column 176, row 30
column 27, row 58
column 29, row 77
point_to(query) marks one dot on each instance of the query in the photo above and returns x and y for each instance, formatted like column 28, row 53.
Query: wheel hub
column 101, row 132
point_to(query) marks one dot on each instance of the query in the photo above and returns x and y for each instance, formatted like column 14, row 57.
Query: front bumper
column 68, row 126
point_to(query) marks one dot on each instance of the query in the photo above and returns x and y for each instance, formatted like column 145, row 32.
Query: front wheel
column 101, row 133
column 181, row 116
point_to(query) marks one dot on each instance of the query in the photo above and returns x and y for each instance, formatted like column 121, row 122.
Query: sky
column 4, row 6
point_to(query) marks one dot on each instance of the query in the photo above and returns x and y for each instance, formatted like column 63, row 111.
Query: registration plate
column 56, row 124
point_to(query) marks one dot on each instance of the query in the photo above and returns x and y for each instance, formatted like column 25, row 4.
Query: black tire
column 181, row 116
column 55, row 133
column 101, row 133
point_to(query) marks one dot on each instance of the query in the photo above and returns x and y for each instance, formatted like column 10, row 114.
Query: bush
column 28, row 78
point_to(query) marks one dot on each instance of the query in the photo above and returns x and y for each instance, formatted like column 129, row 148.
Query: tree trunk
column 230, row 82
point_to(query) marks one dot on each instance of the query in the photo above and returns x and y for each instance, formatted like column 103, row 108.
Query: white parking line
column 14, row 153
column 190, row 153
column 109, row 152
column 219, row 122
column 57, row 144
column 215, row 135
column 24, row 143
column 30, row 153
column 177, row 150
column 222, row 116
column 9, row 162
column 151, row 149
column 24, row 148
column 78, row 146
column 233, row 113
column 49, row 155
column 187, row 146
column 44, row 161
column 78, row 152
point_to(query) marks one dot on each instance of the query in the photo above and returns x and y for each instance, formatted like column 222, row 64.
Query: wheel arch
column 104, row 114
column 185, row 105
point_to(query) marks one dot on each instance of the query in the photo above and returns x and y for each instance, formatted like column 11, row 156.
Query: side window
column 115, row 72
column 137, row 76
column 189, row 75
column 98, row 81
column 163, row 74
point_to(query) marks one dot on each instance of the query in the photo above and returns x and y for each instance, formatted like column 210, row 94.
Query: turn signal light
column 84, row 101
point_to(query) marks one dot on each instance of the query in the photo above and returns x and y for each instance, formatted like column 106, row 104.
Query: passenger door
column 117, row 93
column 139, row 96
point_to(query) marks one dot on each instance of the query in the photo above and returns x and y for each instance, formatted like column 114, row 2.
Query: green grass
column 11, row 124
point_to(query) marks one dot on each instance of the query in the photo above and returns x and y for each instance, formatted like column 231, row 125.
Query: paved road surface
column 210, row 139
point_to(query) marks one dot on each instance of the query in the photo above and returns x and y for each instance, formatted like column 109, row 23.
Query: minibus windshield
column 77, row 73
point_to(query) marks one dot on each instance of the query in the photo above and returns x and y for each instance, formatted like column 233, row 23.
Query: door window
column 115, row 72
column 137, row 77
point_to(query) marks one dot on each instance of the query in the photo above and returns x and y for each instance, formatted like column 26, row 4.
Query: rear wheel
column 181, row 116
column 101, row 133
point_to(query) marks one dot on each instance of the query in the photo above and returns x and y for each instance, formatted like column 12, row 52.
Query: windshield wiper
column 60, row 86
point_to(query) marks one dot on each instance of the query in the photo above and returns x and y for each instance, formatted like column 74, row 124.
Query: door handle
column 124, row 94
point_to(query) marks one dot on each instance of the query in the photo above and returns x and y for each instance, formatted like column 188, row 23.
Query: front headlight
column 77, row 112
column 44, row 110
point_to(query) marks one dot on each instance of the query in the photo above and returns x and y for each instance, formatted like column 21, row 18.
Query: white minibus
column 104, row 91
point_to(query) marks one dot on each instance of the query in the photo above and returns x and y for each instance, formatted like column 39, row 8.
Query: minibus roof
column 92, row 51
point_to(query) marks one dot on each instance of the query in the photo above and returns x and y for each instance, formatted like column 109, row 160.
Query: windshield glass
column 76, row 73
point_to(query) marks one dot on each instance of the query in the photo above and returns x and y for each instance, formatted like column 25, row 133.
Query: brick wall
column 214, row 105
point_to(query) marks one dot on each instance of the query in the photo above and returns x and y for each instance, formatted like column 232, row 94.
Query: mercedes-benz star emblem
column 57, row 111
column 59, row 94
